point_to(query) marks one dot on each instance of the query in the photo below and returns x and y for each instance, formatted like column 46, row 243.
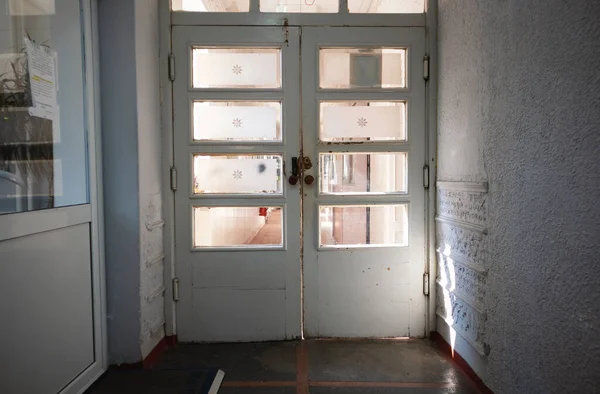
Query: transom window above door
column 303, row 6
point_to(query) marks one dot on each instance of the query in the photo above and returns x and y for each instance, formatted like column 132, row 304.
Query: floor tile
column 257, row 390
column 379, row 361
column 274, row 361
column 388, row 390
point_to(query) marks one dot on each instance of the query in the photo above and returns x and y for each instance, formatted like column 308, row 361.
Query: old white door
column 363, row 102
column 352, row 110
column 236, row 124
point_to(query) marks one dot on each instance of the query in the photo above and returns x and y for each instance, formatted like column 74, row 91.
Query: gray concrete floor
column 310, row 367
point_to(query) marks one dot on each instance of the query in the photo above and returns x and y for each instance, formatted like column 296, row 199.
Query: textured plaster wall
column 519, row 107
column 120, row 178
column 131, row 136
column 149, row 168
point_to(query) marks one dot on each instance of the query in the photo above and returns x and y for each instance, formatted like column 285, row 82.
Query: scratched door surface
column 236, row 125
column 363, row 103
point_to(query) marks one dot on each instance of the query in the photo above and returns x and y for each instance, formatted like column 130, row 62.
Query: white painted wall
column 150, row 166
column 132, row 164
column 519, row 92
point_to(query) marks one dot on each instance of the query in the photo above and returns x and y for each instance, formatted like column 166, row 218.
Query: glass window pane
column 249, row 68
column 314, row 6
column 237, row 174
column 237, row 226
column 211, row 5
column 347, row 68
column 237, row 121
column 363, row 121
column 43, row 146
column 387, row 6
column 351, row 173
column 366, row 225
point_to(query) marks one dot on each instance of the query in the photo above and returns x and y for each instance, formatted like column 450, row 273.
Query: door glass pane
column 237, row 226
column 347, row 68
column 43, row 138
column 363, row 121
column 387, row 6
column 249, row 68
column 348, row 173
column 237, row 174
column 366, row 225
column 314, row 6
column 237, row 121
column 211, row 5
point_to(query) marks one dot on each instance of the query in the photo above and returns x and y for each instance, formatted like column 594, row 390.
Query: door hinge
column 426, row 176
column 426, row 283
column 175, row 289
column 174, row 178
column 426, row 67
column 171, row 67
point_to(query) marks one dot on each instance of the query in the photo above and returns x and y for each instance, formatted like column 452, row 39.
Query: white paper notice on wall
column 42, row 79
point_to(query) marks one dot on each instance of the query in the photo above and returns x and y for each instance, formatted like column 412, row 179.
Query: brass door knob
column 293, row 180
column 309, row 179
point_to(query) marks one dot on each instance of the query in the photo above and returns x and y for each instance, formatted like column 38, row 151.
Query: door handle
column 293, row 179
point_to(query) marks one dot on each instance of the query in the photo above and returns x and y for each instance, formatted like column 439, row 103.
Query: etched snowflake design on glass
column 237, row 123
column 362, row 122
column 237, row 174
column 237, row 69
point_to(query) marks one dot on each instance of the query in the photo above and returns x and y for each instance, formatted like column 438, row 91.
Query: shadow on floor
column 313, row 366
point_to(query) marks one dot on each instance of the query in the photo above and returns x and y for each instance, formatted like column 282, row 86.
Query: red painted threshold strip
column 460, row 362
column 302, row 368
column 154, row 356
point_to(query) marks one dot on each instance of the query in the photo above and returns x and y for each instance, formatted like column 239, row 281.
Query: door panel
column 364, row 220
column 236, row 105
column 357, row 125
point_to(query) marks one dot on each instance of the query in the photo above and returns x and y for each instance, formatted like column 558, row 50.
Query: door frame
column 167, row 20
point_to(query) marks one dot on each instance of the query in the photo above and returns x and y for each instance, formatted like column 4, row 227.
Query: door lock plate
column 306, row 163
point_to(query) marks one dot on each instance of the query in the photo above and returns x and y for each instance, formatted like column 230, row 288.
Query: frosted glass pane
column 248, row 68
column 237, row 226
column 313, row 6
column 366, row 225
column 348, row 173
column 346, row 68
column 363, row 121
column 239, row 174
column 237, row 121
column 386, row 6
column 211, row 5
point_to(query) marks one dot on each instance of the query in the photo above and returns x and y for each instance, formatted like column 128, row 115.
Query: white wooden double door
column 300, row 208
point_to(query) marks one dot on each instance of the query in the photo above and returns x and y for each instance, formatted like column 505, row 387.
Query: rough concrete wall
column 519, row 106
column 120, row 178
